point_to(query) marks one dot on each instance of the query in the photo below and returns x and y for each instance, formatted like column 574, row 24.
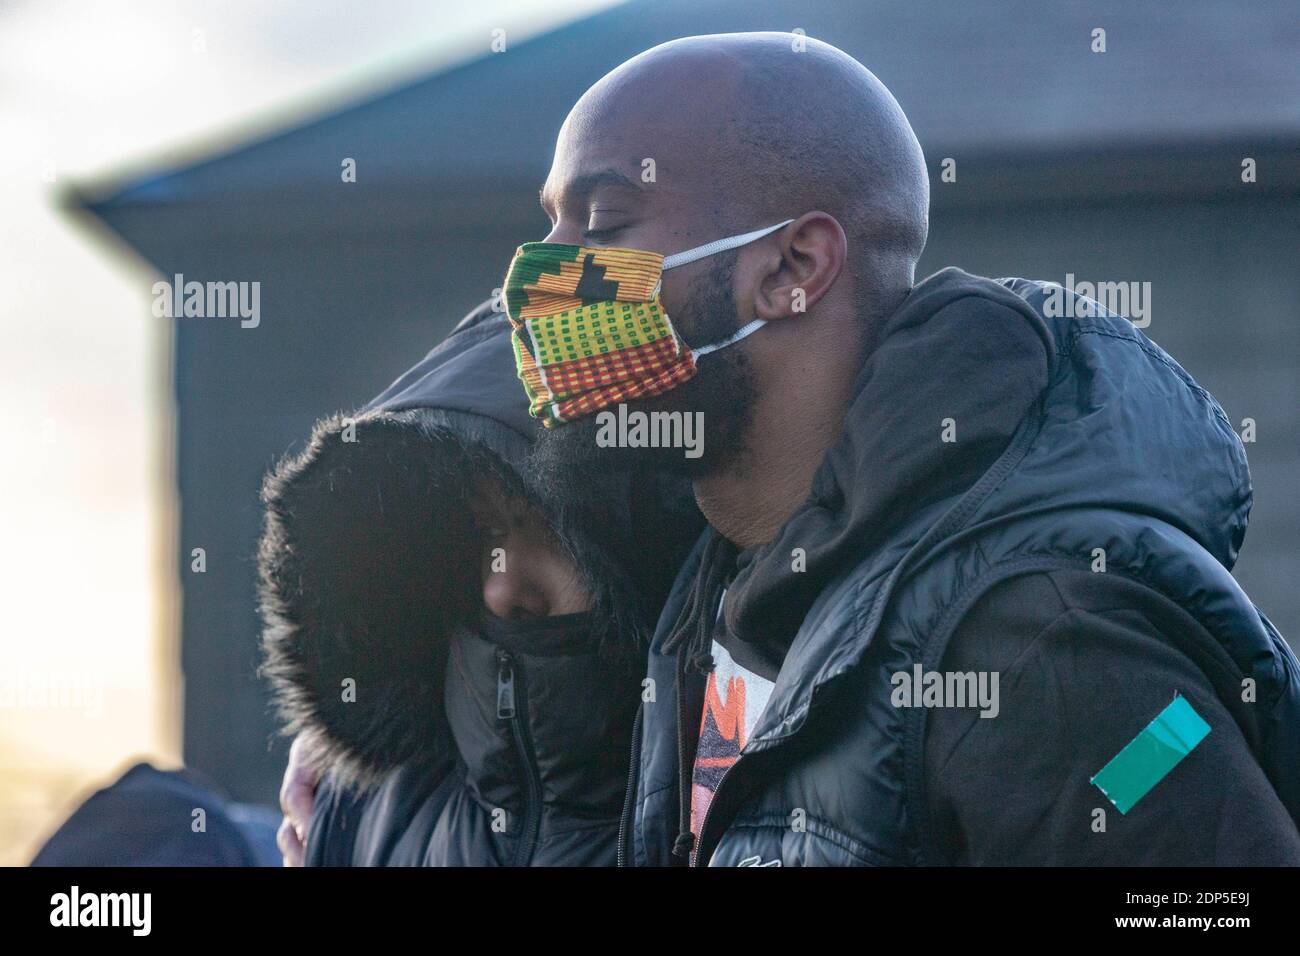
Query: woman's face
column 525, row 573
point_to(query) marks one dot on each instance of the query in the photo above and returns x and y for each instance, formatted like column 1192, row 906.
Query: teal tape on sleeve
column 1148, row 757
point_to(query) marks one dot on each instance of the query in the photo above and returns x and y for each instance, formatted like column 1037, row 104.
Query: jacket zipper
column 508, row 708
column 708, row 814
column 629, row 810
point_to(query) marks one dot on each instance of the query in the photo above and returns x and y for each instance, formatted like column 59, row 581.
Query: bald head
column 713, row 137
column 743, row 130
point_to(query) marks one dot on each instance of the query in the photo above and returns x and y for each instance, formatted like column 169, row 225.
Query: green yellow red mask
column 590, row 331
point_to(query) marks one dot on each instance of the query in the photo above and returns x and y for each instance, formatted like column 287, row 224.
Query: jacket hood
column 369, row 556
column 1127, row 428
column 956, row 369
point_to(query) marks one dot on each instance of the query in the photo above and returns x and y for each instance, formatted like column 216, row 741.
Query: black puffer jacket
column 1081, row 452
column 450, row 737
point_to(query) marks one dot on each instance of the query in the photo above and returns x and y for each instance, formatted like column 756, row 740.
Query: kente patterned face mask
column 590, row 331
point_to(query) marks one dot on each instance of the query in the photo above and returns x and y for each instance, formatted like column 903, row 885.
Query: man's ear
column 805, row 262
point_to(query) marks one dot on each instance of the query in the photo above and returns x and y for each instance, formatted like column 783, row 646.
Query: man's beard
column 723, row 392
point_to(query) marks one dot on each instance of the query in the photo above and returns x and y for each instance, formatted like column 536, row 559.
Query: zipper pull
column 505, row 687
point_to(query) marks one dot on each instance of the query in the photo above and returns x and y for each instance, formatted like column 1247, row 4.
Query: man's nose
column 566, row 232
column 513, row 593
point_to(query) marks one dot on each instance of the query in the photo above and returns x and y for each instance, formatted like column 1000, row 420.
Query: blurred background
column 145, row 139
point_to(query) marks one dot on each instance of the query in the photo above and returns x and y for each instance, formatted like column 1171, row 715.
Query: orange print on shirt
column 729, row 718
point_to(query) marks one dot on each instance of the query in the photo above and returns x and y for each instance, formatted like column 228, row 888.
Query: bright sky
column 89, row 91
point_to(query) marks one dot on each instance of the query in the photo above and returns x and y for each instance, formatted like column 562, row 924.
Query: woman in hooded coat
column 459, row 650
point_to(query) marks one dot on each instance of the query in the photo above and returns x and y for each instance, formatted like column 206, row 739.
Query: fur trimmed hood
column 369, row 558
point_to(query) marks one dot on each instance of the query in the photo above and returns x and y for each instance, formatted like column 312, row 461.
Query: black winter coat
column 1002, row 447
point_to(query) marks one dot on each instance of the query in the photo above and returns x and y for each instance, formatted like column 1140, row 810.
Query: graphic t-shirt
column 733, row 700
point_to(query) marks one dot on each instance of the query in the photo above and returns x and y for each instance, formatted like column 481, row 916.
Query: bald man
column 965, row 594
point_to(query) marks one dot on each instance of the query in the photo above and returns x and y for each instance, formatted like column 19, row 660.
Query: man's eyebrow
column 584, row 185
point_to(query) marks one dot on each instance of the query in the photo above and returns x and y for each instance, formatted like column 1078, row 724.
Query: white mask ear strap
column 721, row 245
column 740, row 333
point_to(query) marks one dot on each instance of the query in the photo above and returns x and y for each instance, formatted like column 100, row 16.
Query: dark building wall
column 1225, row 291
column 342, row 315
